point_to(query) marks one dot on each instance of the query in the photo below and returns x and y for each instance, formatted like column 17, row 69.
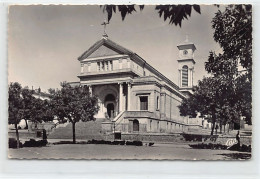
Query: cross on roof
column 105, row 24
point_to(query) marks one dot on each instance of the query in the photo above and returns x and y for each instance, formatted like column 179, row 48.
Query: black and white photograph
column 130, row 82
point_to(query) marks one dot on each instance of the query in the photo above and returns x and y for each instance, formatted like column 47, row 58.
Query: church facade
column 133, row 96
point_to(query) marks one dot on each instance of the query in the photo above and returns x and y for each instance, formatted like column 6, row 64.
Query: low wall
column 148, row 137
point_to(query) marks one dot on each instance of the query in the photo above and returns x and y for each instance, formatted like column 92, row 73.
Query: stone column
column 129, row 96
column 120, row 97
column 192, row 70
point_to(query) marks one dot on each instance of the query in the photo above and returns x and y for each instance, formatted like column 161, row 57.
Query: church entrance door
column 110, row 110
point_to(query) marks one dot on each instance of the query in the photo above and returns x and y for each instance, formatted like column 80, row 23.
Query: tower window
column 185, row 76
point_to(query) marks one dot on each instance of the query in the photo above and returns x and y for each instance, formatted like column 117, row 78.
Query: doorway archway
column 110, row 104
column 110, row 110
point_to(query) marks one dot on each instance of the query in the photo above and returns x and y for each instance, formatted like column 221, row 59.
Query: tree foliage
column 227, row 94
column 174, row 13
column 19, row 103
column 23, row 105
column 233, row 31
column 73, row 104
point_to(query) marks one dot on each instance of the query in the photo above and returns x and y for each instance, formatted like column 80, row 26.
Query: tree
column 175, row 13
column 73, row 104
column 227, row 94
column 23, row 105
column 15, row 107
column 41, row 110
column 204, row 100
column 27, row 104
column 233, row 31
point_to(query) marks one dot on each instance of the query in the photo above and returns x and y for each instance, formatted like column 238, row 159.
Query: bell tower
column 186, row 64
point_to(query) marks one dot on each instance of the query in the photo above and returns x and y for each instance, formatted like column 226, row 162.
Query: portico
column 113, row 98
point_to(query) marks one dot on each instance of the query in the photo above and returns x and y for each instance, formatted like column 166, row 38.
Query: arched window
column 135, row 125
column 185, row 76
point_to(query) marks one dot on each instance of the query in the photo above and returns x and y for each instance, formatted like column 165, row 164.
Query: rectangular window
column 106, row 65
column 98, row 66
column 111, row 65
column 103, row 66
column 144, row 103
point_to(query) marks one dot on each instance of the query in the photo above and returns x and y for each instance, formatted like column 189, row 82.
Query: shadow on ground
column 236, row 156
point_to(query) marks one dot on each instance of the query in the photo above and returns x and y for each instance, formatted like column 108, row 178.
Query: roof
column 121, row 50
column 105, row 42
column 186, row 44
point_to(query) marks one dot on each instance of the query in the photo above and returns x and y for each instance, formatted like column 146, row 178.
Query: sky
column 44, row 42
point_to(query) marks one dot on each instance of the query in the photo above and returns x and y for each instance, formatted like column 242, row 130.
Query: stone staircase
column 84, row 130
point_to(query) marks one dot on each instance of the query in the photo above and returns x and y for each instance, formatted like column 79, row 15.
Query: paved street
column 92, row 151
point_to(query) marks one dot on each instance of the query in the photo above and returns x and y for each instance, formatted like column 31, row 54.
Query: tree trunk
column 73, row 131
column 213, row 127
column 213, row 120
column 220, row 127
column 17, row 137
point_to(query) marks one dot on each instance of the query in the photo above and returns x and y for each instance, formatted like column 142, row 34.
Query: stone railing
column 139, row 114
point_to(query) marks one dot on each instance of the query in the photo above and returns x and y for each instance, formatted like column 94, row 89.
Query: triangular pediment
column 103, row 51
column 104, row 48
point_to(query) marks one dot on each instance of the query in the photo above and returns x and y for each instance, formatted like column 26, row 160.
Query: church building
column 133, row 96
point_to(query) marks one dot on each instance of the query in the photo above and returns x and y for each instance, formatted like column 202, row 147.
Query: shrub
column 34, row 143
column 151, row 143
column 192, row 137
column 208, row 146
column 62, row 142
column 118, row 142
column 243, row 148
column 13, row 143
column 136, row 143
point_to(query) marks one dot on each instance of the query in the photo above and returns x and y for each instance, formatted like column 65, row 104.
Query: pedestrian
column 238, row 138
